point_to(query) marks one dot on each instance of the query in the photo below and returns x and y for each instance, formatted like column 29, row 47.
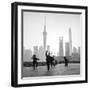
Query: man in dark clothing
column 53, row 61
column 66, row 62
column 35, row 61
column 47, row 60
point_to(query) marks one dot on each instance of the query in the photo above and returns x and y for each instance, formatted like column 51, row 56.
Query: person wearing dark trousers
column 52, row 61
column 66, row 62
column 35, row 64
column 47, row 54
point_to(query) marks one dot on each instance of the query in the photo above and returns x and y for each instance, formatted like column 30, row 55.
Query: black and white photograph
column 51, row 44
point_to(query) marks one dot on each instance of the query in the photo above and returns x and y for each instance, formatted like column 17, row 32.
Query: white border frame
column 31, row 80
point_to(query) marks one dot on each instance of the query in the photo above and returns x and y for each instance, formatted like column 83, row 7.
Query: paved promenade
column 60, row 69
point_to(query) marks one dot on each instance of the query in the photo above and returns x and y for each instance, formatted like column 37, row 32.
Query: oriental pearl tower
column 44, row 35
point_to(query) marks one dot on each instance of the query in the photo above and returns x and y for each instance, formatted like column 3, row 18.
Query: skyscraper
column 79, row 50
column 70, row 41
column 44, row 35
column 27, row 54
column 67, row 50
column 61, row 46
column 75, row 54
column 75, row 50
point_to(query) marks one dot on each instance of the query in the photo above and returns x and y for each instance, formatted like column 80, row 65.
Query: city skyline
column 61, row 52
column 52, row 37
column 39, row 52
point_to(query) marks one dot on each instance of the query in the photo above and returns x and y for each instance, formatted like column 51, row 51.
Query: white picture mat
column 28, row 80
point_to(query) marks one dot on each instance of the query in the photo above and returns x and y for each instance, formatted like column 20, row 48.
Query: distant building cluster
column 27, row 54
column 69, row 50
column 40, row 51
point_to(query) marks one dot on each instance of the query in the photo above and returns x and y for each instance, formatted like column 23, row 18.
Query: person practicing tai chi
column 53, row 61
column 35, row 63
column 48, row 62
column 66, row 62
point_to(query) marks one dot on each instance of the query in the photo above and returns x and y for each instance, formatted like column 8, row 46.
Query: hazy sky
column 57, row 25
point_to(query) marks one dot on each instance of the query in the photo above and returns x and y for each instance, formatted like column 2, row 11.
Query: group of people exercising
column 50, row 61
